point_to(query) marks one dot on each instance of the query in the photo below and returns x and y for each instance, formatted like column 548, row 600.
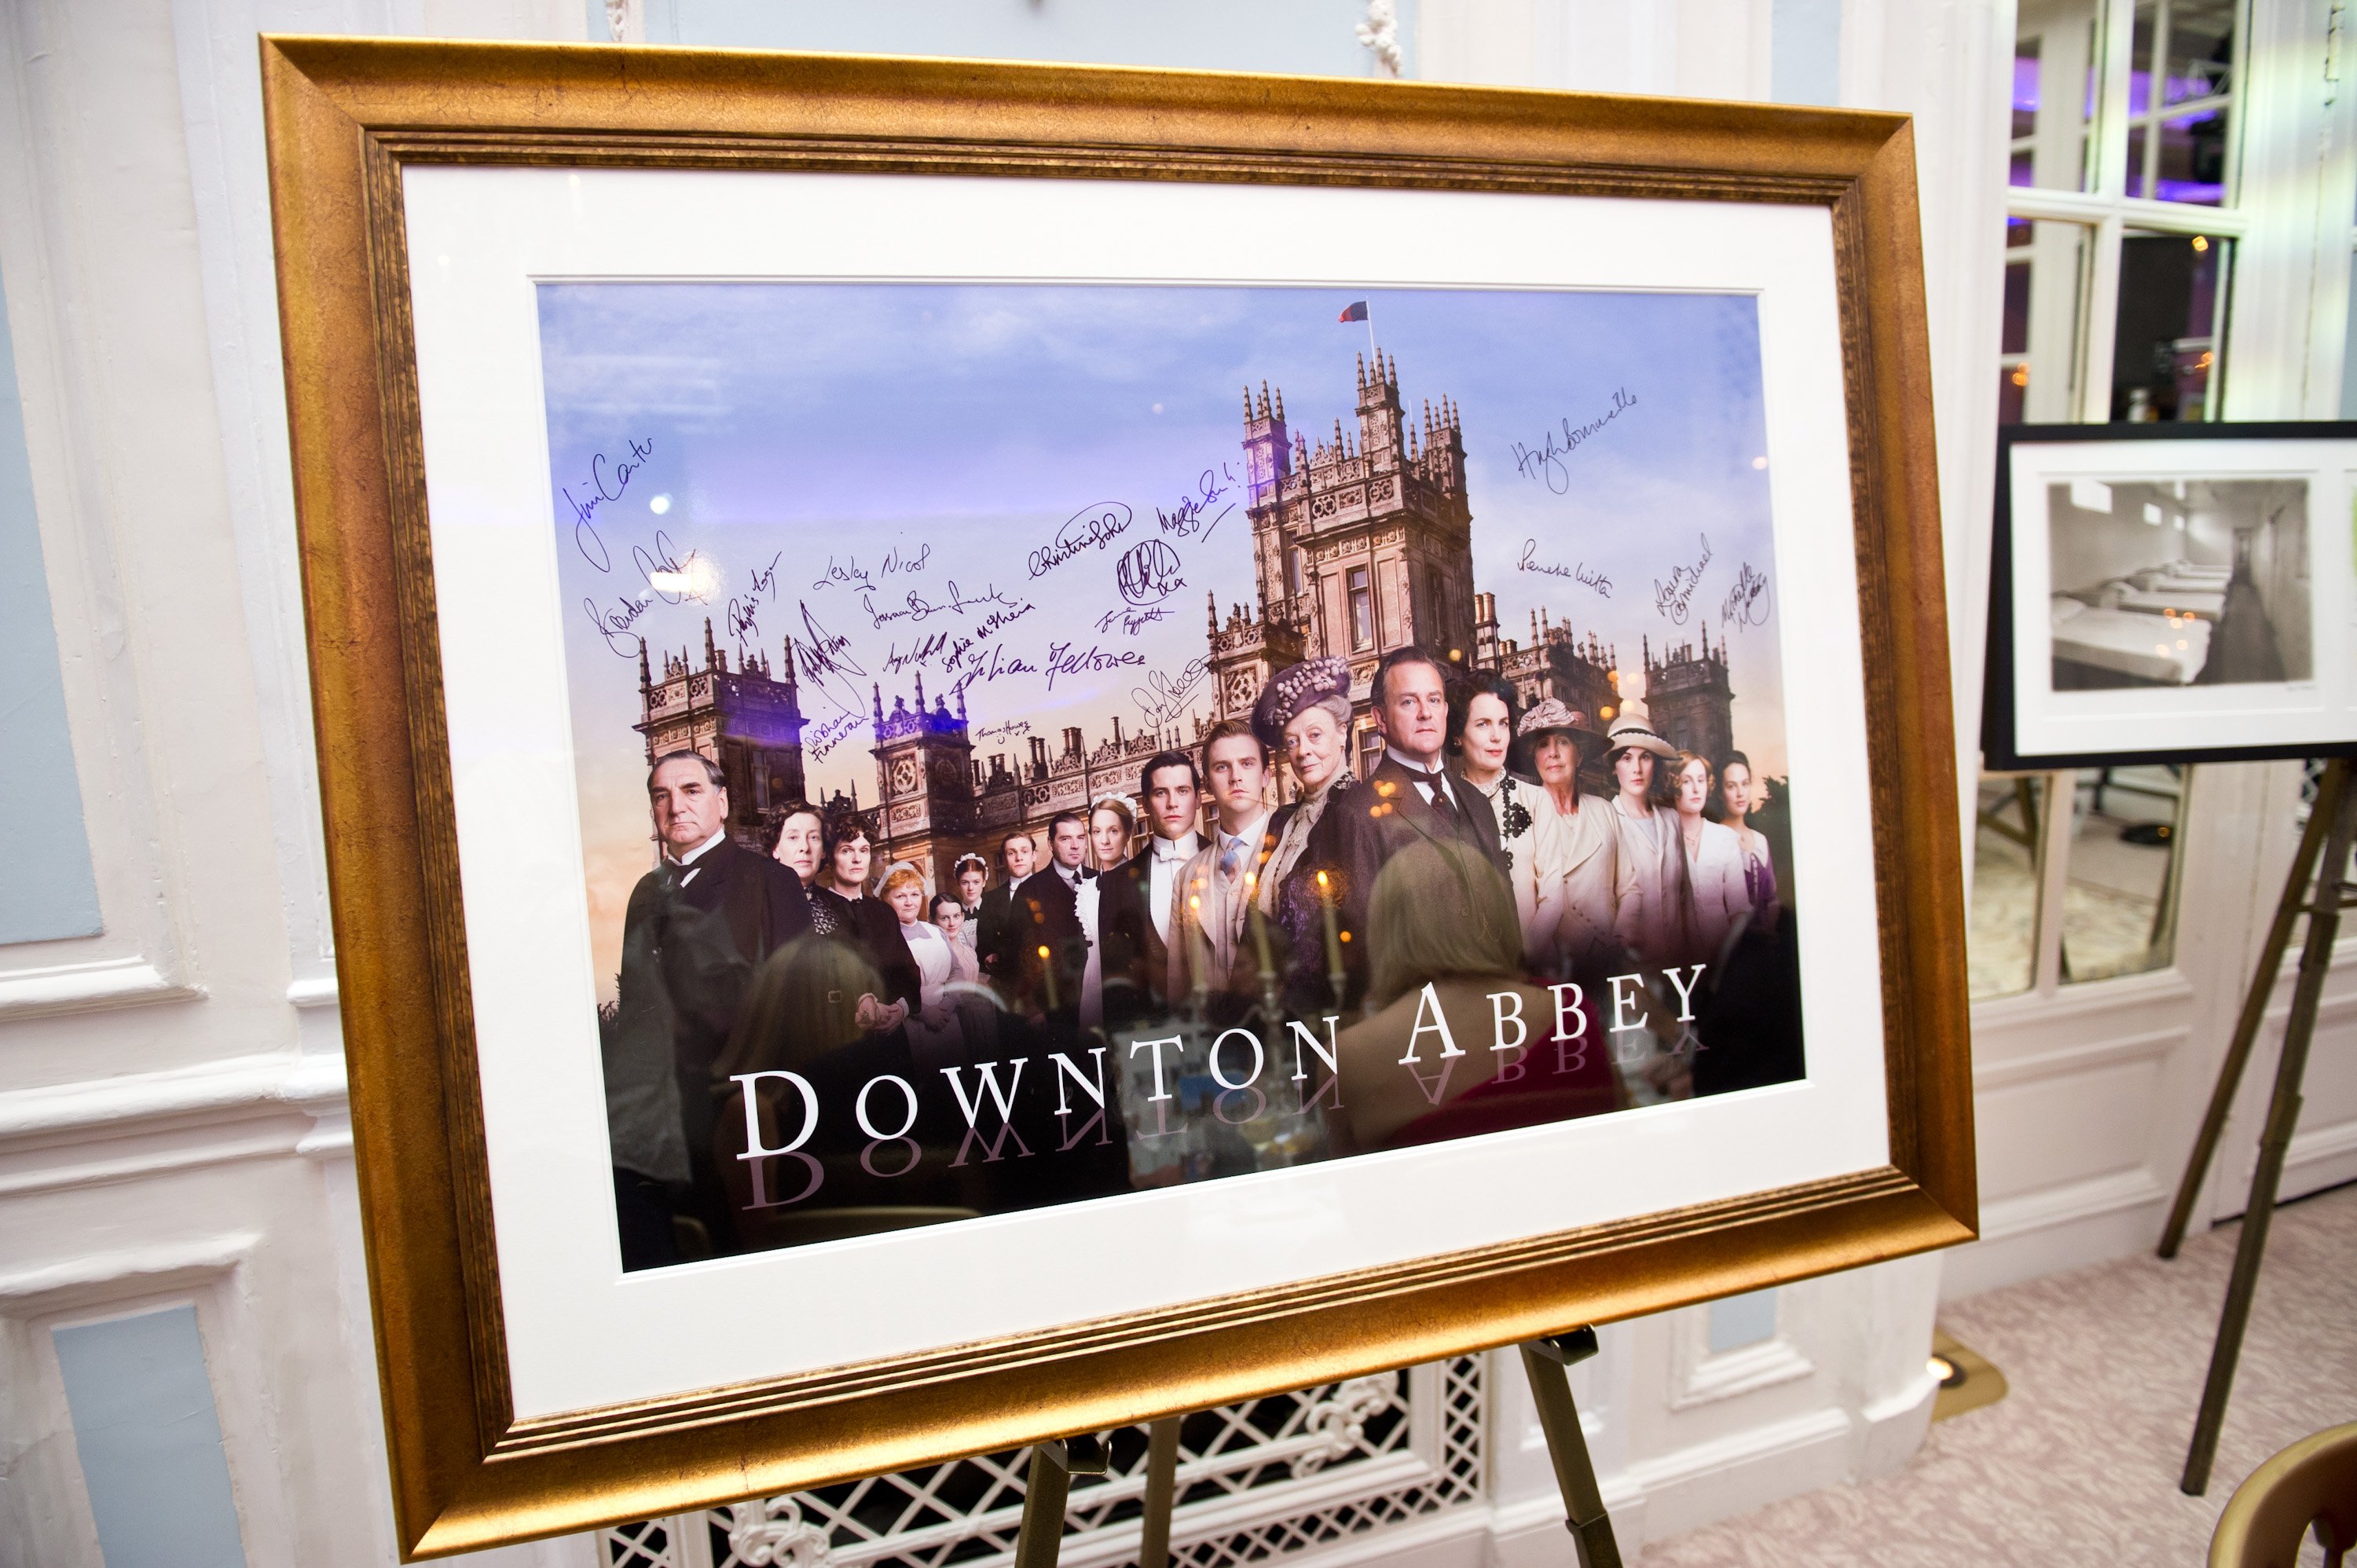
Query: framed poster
column 2172, row 593
column 1008, row 748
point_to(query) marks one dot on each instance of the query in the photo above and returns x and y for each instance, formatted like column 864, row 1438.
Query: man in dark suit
column 1052, row 949
column 1134, row 909
column 694, row 930
column 1409, row 796
column 995, row 939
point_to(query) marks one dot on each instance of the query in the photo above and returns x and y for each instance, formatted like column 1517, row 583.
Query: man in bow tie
column 1055, row 950
column 1133, row 910
column 1210, row 942
column 1409, row 795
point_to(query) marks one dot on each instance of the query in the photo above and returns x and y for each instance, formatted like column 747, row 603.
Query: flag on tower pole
column 1357, row 311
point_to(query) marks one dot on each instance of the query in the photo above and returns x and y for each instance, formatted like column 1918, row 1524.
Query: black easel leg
column 2283, row 1115
column 1546, row 1363
column 1045, row 1490
column 1161, row 1493
column 2254, row 1006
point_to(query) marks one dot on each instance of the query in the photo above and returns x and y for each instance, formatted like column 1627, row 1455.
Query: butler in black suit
column 1409, row 795
column 1134, row 909
column 1046, row 917
column 694, row 930
column 996, row 946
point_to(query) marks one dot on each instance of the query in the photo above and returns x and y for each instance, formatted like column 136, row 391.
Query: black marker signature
column 743, row 614
column 1579, row 574
column 1672, row 598
column 614, row 625
column 1546, row 460
column 851, row 573
column 961, row 649
column 1064, row 660
column 1148, row 573
column 1091, row 528
column 917, row 607
column 1747, row 602
column 608, row 479
column 1194, row 518
column 1132, row 622
column 1159, row 699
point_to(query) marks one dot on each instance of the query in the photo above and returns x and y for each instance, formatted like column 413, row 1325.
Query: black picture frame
column 2000, row 748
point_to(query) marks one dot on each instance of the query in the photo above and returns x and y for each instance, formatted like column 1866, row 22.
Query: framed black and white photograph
column 2174, row 592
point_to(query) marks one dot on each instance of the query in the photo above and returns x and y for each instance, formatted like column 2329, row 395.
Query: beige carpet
column 2079, row 1464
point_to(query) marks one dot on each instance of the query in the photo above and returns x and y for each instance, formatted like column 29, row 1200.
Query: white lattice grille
column 1256, row 1481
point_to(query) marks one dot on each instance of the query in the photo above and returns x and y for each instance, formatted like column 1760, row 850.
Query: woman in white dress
column 936, row 1039
column 1651, row 906
column 1575, row 859
column 1739, row 795
column 1110, row 826
column 1714, row 863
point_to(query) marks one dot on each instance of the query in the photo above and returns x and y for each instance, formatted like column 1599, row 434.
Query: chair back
column 2313, row 1482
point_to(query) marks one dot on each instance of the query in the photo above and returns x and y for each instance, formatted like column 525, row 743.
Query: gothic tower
column 744, row 719
column 1361, row 544
column 1688, row 699
column 925, row 781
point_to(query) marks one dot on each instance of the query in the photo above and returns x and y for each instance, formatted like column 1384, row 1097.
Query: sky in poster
column 806, row 456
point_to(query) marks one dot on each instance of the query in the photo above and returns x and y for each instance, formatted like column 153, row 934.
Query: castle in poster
column 1361, row 543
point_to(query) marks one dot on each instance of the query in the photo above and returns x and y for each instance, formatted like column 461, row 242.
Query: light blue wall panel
column 1739, row 1320
column 46, row 890
column 1804, row 52
column 150, row 1442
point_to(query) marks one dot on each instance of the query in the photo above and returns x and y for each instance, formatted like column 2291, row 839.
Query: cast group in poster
column 1521, row 916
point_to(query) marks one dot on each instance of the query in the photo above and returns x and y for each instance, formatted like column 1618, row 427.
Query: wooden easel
column 1546, row 1362
column 2330, row 827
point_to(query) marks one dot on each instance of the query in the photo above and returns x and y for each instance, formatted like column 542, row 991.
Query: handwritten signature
column 1148, row 573
column 1672, row 598
column 1594, row 579
column 609, row 478
column 1007, row 731
column 1131, row 622
column 825, row 735
column 917, row 607
column 1159, row 699
column 1091, row 528
column 961, row 649
column 852, row 575
column 1193, row 517
column 1747, row 602
column 1546, row 460
column 744, row 614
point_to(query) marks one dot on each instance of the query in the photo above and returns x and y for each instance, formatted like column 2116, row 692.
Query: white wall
column 171, row 1091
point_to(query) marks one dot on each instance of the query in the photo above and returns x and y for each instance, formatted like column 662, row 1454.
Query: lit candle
column 1196, row 947
column 1048, row 975
column 1259, row 930
column 1333, row 941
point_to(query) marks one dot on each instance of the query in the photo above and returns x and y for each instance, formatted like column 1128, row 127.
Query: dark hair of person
column 719, row 780
column 1406, row 653
column 1160, row 760
column 841, row 827
column 1226, row 729
column 1060, row 817
column 1480, row 683
column 773, row 826
column 1662, row 793
column 958, row 870
column 1715, row 807
column 942, row 898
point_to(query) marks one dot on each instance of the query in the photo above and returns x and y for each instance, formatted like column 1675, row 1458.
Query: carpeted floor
column 2078, row 1462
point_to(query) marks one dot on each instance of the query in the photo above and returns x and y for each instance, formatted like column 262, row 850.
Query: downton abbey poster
column 1041, row 743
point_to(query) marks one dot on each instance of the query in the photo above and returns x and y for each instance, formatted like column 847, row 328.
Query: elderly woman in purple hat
column 1305, row 714
column 1575, row 859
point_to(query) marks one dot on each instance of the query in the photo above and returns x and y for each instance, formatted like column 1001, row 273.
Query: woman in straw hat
column 1714, row 861
column 1305, row 714
column 1651, row 906
column 1575, row 859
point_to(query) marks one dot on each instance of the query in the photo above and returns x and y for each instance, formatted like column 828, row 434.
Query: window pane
column 2053, row 93
column 2165, row 343
column 2001, row 928
column 2183, row 61
column 2118, row 907
column 2039, row 363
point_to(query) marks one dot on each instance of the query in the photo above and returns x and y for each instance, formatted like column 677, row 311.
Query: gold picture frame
column 345, row 118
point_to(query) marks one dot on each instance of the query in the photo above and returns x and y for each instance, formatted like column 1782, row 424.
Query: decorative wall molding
column 2073, row 1061
column 131, row 982
column 101, row 1278
column 318, row 991
column 1706, row 1379
column 145, row 1124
